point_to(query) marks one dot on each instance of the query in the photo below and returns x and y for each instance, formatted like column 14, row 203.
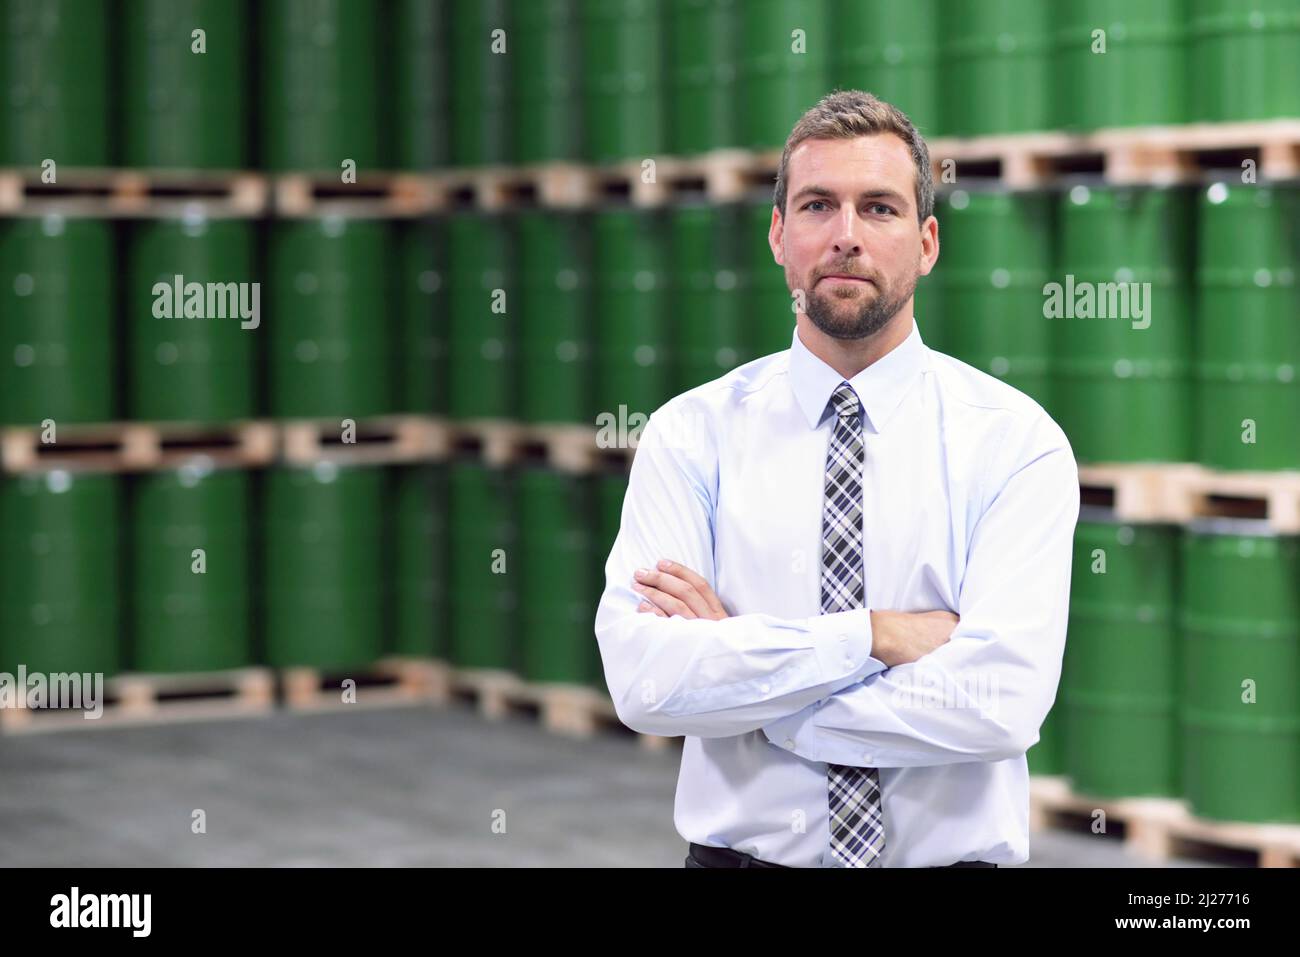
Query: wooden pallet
column 390, row 682
column 1162, row 828
column 132, row 193
column 1178, row 493
column 1155, row 155
column 394, row 438
column 573, row 710
column 137, row 446
column 135, row 699
column 386, row 195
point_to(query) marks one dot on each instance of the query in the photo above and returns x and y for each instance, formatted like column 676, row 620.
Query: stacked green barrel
column 556, row 594
column 546, row 81
column 486, row 569
column 422, row 302
column 60, row 573
column 54, row 82
column 1120, row 684
column 703, row 74
column 707, row 303
column 421, row 561
column 631, row 303
column 625, row 90
column 191, row 350
column 321, row 102
column 769, row 306
column 480, row 55
column 891, row 50
column 421, row 84
column 1244, row 59
column 330, row 314
column 998, row 66
column 785, row 66
column 1122, row 381
column 481, row 330
column 1240, row 711
column 1120, row 63
column 324, row 566
column 184, row 83
column 997, row 249
column 58, row 352
column 555, row 329
column 1247, row 334
column 191, row 578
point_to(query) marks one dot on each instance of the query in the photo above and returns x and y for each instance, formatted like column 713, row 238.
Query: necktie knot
column 845, row 401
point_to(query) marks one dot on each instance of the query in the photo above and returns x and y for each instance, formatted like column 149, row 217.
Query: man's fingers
column 677, row 587
column 665, row 601
column 696, row 581
column 647, row 607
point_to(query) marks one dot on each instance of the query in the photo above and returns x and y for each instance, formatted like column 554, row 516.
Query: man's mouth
column 844, row 278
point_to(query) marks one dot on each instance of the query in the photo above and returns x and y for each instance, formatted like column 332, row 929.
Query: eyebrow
column 865, row 194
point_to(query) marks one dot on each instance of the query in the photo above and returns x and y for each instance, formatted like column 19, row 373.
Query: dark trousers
column 701, row 855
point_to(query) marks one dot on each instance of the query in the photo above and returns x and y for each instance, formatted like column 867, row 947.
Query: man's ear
column 776, row 236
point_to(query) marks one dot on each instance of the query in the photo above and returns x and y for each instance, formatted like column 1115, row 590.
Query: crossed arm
column 866, row 687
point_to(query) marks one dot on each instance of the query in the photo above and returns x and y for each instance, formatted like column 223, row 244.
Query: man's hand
column 673, row 589
column 899, row 637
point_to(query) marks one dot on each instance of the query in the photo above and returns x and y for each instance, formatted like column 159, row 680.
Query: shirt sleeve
column 679, row 676
column 984, row 694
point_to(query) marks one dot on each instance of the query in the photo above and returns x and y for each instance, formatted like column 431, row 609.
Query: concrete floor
column 408, row 786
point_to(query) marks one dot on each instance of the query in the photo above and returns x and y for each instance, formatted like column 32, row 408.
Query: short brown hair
column 845, row 114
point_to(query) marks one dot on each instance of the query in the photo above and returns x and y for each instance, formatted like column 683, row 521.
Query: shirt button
column 848, row 661
column 765, row 687
column 789, row 743
column 866, row 756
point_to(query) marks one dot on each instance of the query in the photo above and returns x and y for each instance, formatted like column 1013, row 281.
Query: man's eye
column 813, row 203
column 889, row 210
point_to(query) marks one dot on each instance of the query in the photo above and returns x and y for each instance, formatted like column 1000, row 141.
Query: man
column 843, row 570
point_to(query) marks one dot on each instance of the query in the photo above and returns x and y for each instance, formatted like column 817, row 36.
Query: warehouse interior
column 327, row 328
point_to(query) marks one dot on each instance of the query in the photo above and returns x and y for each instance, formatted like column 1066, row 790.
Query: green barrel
column 556, row 598
column 481, row 57
column 546, row 78
column 1247, row 334
column 625, row 90
column 611, row 489
column 555, row 324
column 190, row 356
column 997, row 73
column 421, row 84
column 324, row 566
column 54, row 82
column 785, row 63
column 330, row 339
column 322, row 85
column 1132, row 73
column 769, row 304
column 485, row 569
column 706, row 296
column 58, row 342
column 633, row 363
column 60, row 590
column 997, row 258
column 420, row 570
column 930, row 311
column 191, row 579
column 423, row 310
column 1245, row 59
column 1120, row 684
column 1121, row 383
column 481, row 334
column 892, row 50
column 185, row 97
column 703, row 49
column 1241, row 673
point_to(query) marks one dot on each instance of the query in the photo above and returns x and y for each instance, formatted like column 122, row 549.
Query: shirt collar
column 880, row 386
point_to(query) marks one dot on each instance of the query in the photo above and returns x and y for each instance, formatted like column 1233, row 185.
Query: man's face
column 851, row 212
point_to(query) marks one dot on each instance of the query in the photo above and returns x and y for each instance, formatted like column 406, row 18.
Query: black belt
column 726, row 857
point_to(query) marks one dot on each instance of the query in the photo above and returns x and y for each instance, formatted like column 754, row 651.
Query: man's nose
column 847, row 240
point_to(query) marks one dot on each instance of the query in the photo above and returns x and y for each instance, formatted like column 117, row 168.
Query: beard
column 858, row 316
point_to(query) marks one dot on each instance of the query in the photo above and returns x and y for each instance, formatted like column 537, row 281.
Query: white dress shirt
column 970, row 498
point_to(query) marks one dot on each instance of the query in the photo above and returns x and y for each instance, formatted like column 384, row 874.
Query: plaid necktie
column 857, row 821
